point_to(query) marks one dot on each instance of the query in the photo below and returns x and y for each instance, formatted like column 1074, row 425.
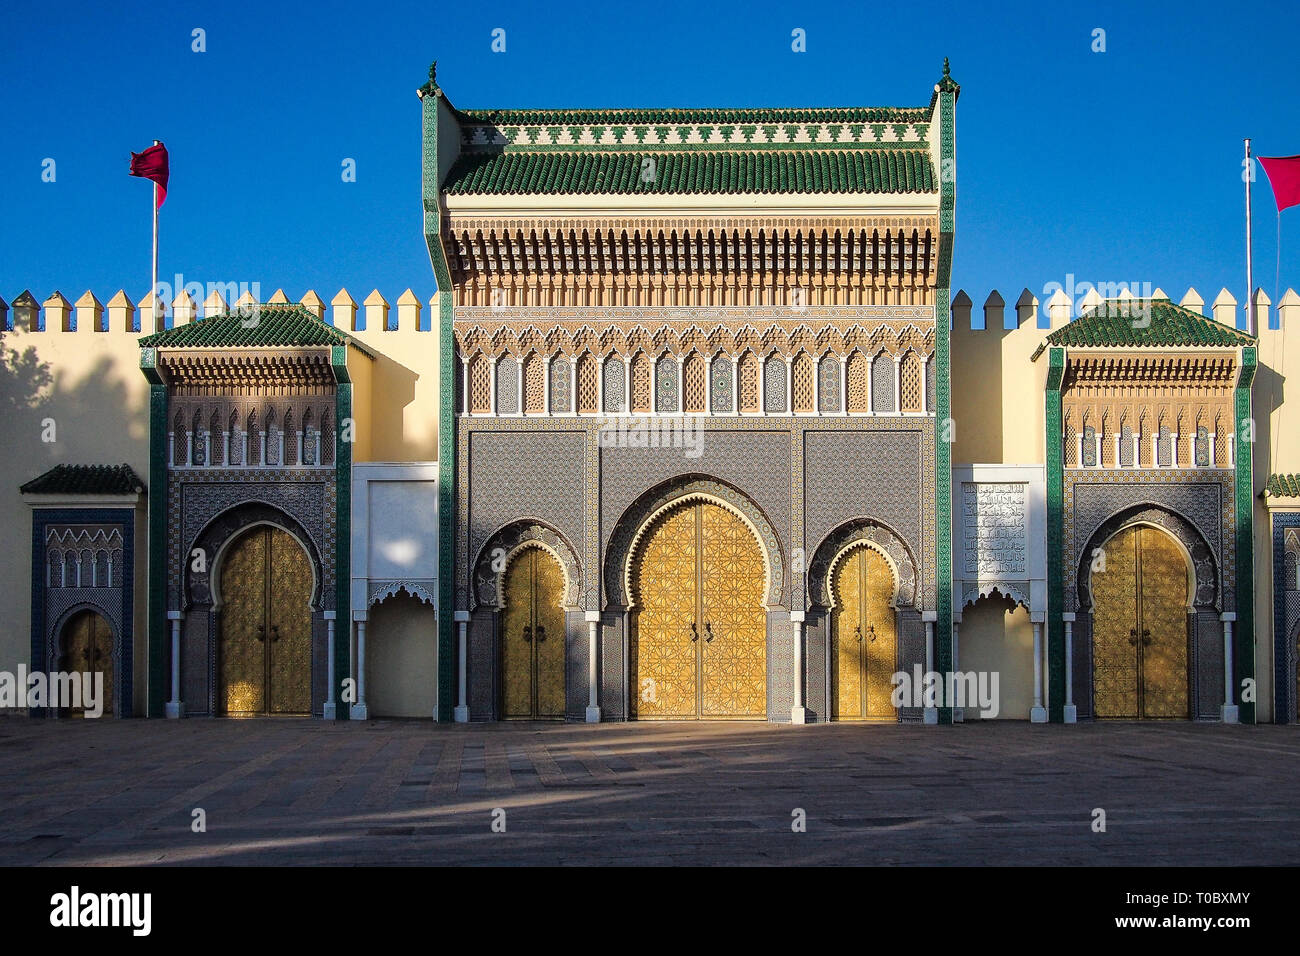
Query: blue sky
column 1122, row 166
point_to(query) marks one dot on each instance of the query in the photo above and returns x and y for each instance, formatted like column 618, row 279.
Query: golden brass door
column 87, row 643
column 532, row 638
column 864, row 638
column 699, row 642
column 265, row 646
column 1140, row 627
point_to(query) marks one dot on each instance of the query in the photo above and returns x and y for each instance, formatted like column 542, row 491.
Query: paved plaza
column 411, row 792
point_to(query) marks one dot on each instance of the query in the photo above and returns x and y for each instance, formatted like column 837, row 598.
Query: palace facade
column 692, row 429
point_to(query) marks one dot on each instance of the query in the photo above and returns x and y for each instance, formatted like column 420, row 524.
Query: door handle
column 708, row 629
column 540, row 633
column 275, row 632
column 857, row 629
column 1146, row 637
column 1133, row 636
column 871, row 629
column 528, row 634
column 261, row 632
column 695, row 634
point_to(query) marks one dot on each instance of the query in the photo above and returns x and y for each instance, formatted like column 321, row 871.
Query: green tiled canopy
column 679, row 172
column 1283, row 486
column 1123, row 323
column 673, row 117
column 85, row 480
column 275, row 326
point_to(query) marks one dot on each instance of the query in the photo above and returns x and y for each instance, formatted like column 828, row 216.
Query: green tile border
column 1055, row 538
column 446, row 402
column 947, row 101
column 342, row 529
column 155, row 693
column 1244, row 511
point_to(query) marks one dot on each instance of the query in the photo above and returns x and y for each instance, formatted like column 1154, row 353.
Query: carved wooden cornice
column 218, row 370
column 1128, row 370
column 692, row 261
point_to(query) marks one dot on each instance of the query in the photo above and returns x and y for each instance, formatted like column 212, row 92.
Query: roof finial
column 946, row 83
column 432, row 86
column 946, row 71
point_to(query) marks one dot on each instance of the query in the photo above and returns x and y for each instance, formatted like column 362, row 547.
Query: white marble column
column 708, row 385
column 600, row 386
column 171, row 448
column 958, row 713
column 492, row 386
column 173, row 708
column 1137, row 450
column 464, row 386
column 330, row 710
column 1039, row 713
column 844, row 384
column 931, row 714
column 1071, row 711
column 681, row 385
column 816, row 384
column 898, row 385
column 871, row 400
column 359, row 710
column 1173, row 449
column 789, row 384
column 546, row 386
column 461, row 714
column 573, row 384
column 798, row 712
column 1214, row 461
column 627, row 384
column 593, row 678
column 519, row 386
column 762, row 385
column 1230, row 712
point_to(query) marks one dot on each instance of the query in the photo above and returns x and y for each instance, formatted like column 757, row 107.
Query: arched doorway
column 532, row 637
column 698, row 642
column 1140, row 637
column 864, row 637
column 87, row 647
column 264, row 652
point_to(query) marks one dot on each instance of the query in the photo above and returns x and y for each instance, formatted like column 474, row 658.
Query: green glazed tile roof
column 1148, row 323
column 1283, row 486
column 275, row 325
column 85, row 480
column 638, row 117
column 819, row 171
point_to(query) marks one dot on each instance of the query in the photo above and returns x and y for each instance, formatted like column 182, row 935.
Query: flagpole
column 1250, row 265
column 154, row 289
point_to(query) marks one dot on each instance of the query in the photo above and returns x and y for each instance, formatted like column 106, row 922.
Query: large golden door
column 265, row 649
column 1140, row 627
column 864, row 641
column 88, row 647
column 532, row 638
column 699, row 641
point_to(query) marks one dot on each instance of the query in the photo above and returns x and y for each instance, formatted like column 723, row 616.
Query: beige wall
column 402, row 658
column 996, row 639
column 89, row 383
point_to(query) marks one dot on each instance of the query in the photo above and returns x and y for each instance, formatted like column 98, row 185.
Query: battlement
column 1060, row 308
column 121, row 316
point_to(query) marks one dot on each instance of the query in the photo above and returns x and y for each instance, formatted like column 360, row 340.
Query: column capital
column 1228, row 616
column 591, row 617
column 330, row 615
column 175, row 615
column 360, row 617
column 796, row 617
column 460, row 617
column 929, row 617
column 1068, row 617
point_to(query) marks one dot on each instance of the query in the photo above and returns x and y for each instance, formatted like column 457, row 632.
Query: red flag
column 152, row 164
column 1284, row 176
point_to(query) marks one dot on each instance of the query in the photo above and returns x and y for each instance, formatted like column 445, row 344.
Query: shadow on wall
column 23, row 377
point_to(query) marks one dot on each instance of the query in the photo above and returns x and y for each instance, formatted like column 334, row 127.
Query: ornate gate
column 1140, row 627
column 265, row 649
column 532, row 638
column 88, row 647
column 864, row 649
column 699, row 641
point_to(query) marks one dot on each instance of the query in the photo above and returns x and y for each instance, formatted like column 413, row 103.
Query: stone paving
column 305, row 792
